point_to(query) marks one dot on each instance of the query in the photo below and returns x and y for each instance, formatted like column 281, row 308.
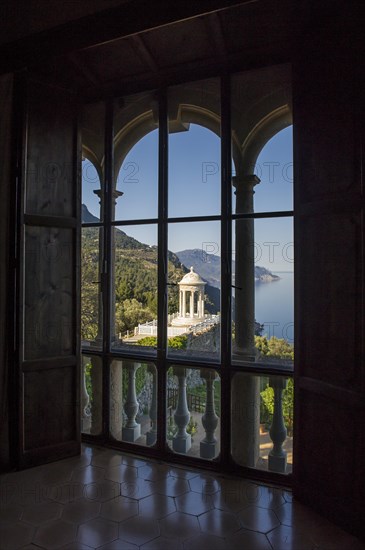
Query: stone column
column 182, row 440
column 244, row 343
column 114, row 340
column 245, row 388
column 180, row 303
column 209, row 445
column 132, row 429
column 202, row 304
column 183, row 313
column 192, row 304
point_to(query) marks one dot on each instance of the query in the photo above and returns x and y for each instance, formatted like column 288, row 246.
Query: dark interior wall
column 39, row 15
column 328, row 113
column 6, row 87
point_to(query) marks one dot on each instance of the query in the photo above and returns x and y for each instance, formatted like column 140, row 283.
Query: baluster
column 151, row 435
column 132, row 429
column 182, row 441
column 85, row 399
column 208, row 447
column 277, row 455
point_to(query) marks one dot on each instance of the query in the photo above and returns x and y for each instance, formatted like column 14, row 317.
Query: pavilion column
column 180, row 303
column 202, row 304
column 183, row 312
column 192, row 304
column 246, row 388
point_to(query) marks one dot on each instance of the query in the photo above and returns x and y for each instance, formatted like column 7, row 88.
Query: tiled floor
column 104, row 499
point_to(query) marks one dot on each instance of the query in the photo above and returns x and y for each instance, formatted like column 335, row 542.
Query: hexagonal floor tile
column 74, row 546
column 194, row 503
column 119, row 545
column 182, row 472
column 200, row 542
column 10, row 513
column 139, row 488
column 170, row 486
column 156, row 506
column 179, row 526
column 130, row 460
column 153, row 471
column 286, row 538
column 162, row 543
column 89, row 474
column 139, row 530
column 15, row 535
column 219, row 523
column 248, row 539
column 80, row 511
column 55, row 533
column 101, row 491
column 258, row 519
column 119, row 509
column 46, row 511
column 205, row 484
column 121, row 473
column 97, row 532
column 107, row 459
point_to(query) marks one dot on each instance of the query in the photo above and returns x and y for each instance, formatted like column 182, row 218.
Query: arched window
column 187, row 363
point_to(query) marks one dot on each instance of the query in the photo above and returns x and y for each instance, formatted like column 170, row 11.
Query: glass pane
column 194, row 290
column 193, row 412
column 133, row 402
column 92, row 135
column 261, row 140
column 91, row 395
column 194, row 149
column 263, row 291
column 91, row 289
column 134, row 305
column 136, row 157
column 261, row 416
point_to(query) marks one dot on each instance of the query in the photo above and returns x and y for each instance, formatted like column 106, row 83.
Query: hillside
column 135, row 280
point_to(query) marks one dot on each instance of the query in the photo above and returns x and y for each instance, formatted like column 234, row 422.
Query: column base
column 277, row 463
column 151, row 438
column 208, row 450
column 181, row 444
column 131, row 434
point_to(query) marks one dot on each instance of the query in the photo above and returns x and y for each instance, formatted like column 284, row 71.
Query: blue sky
column 194, row 190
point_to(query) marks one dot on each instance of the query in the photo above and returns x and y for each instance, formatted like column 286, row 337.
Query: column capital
column 248, row 180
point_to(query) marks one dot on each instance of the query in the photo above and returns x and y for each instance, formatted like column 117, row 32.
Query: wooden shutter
column 48, row 293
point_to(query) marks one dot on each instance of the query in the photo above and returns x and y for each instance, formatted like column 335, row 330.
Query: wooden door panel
column 49, row 365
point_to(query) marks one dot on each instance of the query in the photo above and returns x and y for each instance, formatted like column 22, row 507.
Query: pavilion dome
column 192, row 278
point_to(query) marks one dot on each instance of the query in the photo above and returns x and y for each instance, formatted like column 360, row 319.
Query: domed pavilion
column 191, row 300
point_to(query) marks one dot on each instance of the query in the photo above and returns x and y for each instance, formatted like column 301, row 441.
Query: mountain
column 86, row 216
column 209, row 267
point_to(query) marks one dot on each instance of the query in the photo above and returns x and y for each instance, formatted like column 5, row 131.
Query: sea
column 274, row 306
